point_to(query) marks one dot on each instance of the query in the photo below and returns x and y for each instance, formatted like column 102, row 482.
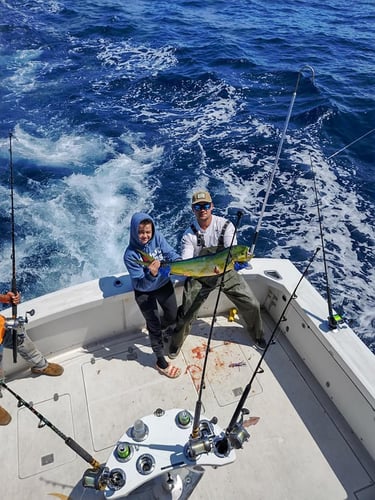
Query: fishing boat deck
column 299, row 448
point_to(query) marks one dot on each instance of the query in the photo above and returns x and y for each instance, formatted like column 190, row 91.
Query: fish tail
column 146, row 259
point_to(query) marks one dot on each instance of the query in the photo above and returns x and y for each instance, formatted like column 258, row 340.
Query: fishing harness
column 200, row 236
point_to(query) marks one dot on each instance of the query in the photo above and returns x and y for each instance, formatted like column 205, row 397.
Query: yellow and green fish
column 206, row 265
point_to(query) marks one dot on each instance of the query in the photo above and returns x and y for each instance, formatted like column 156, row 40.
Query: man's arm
column 10, row 298
column 228, row 235
column 188, row 249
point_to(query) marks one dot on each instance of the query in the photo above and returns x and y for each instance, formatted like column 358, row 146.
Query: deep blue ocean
column 117, row 107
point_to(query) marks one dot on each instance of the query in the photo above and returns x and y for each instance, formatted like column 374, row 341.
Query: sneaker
column 52, row 370
column 5, row 418
column 261, row 343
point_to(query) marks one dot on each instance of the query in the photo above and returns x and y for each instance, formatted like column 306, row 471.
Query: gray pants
column 26, row 349
column 234, row 287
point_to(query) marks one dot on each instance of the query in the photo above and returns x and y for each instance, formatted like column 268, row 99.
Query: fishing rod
column 14, row 282
column 235, row 431
column 68, row 440
column 333, row 319
column 198, row 405
column 256, row 234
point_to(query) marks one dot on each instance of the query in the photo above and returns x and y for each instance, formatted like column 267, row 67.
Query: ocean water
column 117, row 107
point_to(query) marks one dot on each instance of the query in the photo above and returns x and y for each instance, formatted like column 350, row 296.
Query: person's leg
column 148, row 304
column 149, row 307
column 166, row 297
column 29, row 352
column 194, row 295
column 237, row 290
column 5, row 417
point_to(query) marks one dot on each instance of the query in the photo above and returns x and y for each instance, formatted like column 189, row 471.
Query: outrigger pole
column 68, row 440
column 235, row 431
column 14, row 282
column 198, row 405
column 256, row 234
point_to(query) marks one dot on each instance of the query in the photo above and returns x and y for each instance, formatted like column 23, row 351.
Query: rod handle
column 82, row 453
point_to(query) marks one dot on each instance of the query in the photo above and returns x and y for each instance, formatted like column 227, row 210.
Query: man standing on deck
column 26, row 348
column 209, row 234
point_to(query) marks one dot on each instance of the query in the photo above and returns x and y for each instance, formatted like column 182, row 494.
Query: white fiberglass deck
column 299, row 446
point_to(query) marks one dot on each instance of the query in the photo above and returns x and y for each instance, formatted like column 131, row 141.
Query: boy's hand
column 154, row 267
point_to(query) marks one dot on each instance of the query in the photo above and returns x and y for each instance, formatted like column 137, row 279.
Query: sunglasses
column 202, row 206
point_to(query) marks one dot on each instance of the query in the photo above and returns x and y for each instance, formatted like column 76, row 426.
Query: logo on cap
column 201, row 196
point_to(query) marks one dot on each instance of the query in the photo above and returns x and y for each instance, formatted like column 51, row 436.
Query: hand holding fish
column 153, row 267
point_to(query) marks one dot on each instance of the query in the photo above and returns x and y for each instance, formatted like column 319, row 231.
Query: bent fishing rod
column 198, row 405
column 265, row 201
column 235, row 432
column 42, row 420
column 14, row 282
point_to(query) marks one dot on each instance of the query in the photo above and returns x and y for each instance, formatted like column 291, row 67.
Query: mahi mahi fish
column 206, row 265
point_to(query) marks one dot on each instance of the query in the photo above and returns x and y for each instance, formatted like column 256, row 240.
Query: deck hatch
column 119, row 391
column 227, row 352
column 37, row 454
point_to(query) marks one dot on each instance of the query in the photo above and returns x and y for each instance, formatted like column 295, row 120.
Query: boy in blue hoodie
column 151, row 287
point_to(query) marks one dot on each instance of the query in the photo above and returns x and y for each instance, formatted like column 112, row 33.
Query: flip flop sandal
column 170, row 372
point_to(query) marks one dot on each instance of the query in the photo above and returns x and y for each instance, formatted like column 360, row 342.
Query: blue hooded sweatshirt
column 157, row 247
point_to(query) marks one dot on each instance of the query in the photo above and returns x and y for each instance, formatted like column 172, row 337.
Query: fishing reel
column 19, row 322
column 203, row 443
column 103, row 477
column 207, row 442
column 18, row 326
column 237, row 435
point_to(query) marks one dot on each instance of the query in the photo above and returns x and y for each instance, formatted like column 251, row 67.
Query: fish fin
column 146, row 257
column 217, row 270
column 141, row 262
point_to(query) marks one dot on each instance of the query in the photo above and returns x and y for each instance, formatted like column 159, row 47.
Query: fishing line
column 256, row 234
column 198, row 405
column 68, row 440
column 234, row 424
column 351, row 144
column 333, row 319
